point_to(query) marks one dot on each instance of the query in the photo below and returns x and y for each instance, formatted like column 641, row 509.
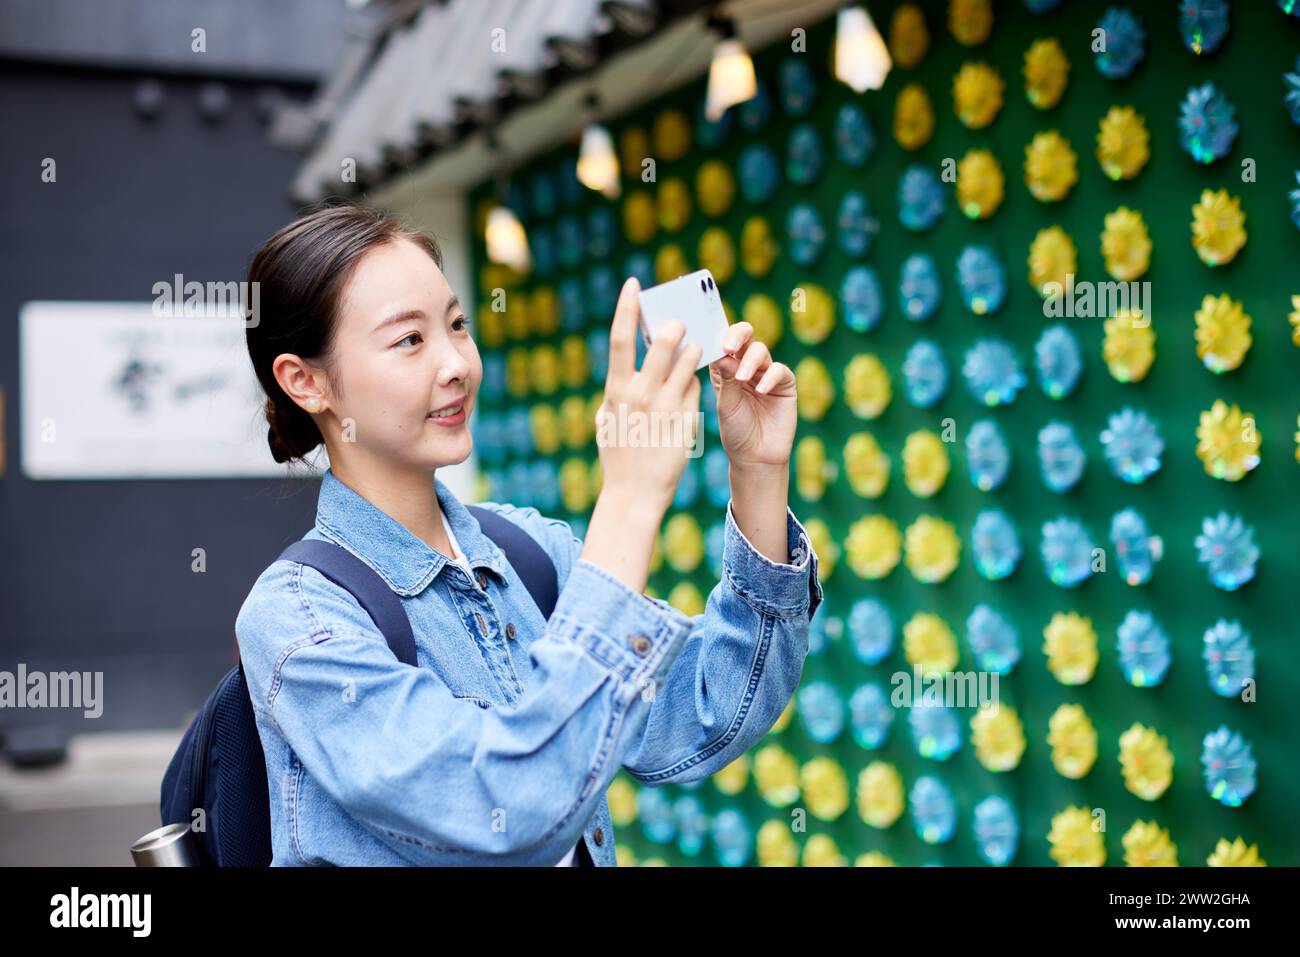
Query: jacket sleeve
column 438, row 778
column 739, row 666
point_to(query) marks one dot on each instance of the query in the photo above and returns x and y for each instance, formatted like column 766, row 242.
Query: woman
column 498, row 747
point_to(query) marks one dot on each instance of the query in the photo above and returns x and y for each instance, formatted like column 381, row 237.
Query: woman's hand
column 757, row 403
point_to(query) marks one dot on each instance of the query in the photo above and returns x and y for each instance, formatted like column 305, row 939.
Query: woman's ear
column 302, row 383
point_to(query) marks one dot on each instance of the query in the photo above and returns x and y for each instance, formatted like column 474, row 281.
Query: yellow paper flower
column 823, row 543
column 913, row 117
column 1294, row 319
column 687, row 599
column 1051, row 167
column 1047, row 69
column 574, row 366
column 517, row 371
column 1236, row 854
column 880, row 794
column 491, row 328
column 867, row 388
column 977, row 94
column 732, row 778
column 784, row 719
column 776, row 773
column 971, row 21
column 1146, row 761
column 621, row 798
column 775, row 845
column 932, row 548
column 516, row 315
column 871, row 859
column 1129, row 346
column 546, row 369
column 1073, row 740
column 812, row 313
column 1218, row 227
column 674, row 205
column 1126, row 244
column 715, row 187
column 718, row 253
column 1222, row 333
column 670, row 262
column 575, row 428
column 633, row 150
column 575, row 485
column 811, row 470
column 683, row 542
column 1076, row 839
column 822, row 851
column 1052, row 257
column 761, row 311
column 928, row 643
column 925, row 463
column 874, row 546
column 1147, row 844
column 1227, row 441
column 672, row 135
column 815, row 388
column 909, row 38
column 640, row 217
column 866, row 464
column 1071, row 648
column 545, row 426
column 825, row 788
column 1123, row 143
column 980, row 184
column 998, row 736
column 757, row 247
column 543, row 311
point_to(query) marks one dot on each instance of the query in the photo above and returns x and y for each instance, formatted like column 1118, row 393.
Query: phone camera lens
column 703, row 288
column 710, row 282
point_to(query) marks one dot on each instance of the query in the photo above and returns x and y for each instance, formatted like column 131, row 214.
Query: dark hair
column 300, row 274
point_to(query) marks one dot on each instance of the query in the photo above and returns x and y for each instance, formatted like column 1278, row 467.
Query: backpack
column 220, row 766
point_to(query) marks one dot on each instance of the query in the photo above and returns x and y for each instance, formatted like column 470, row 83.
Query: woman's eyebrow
column 453, row 304
column 400, row 317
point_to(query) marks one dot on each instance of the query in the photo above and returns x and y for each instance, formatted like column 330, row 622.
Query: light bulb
column 597, row 164
column 861, row 57
column 507, row 243
column 731, row 78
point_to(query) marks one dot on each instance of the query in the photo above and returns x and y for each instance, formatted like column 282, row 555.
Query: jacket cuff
column 634, row 636
column 786, row 590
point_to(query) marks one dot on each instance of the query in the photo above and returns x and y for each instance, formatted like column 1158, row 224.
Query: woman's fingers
column 683, row 370
column 737, row 336
column 659, row 357
column 777, row 379
column 623, row 333
column 755, row 359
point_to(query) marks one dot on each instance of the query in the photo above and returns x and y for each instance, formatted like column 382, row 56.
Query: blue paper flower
column 642, row 266
column 1229, row 767
column 714, row 540
column 934, row 810
column 1226, row 547
column 982, row 279
column 542, row 196
column 567, row 185
column 573, row 304
column 1203, row 24
column 1133, row 446
column 688, row 486
column 1059, row 361
column 1143, row 649
column 1060, row 456
column 519, row 432
column 988, row 457
column 542, row 248
column 871, row 716
column 1295, row 201
column 733, row 838
column 1067, row 551
column 717, row 467
column 821, row 711
column 602, row 232
column 544, row 478
column 760, row 174
column 919, row 288
column 569, row 240
column 654, row 812
column 1229, row 658
column 754, row 112
column 494, row 374
column 855, row 138
column 992, row 373
column 861, row 301
column 925, row 374
column 935, row 731
column 993, row 640
column 598, row 352
column 1123, row 45
column 804, row 156
column 489, row 434
column 997, row 829
column 710, row 133
column 994, row 544
column 797, row 84
column 602, row 293
column 857, row 227
column 1289, row 6
column 693, row 824
column 803, row 225
column 920, row 198
column 871, row 630
column 1206, row 127
column 1292, row 99
column 1136, row 549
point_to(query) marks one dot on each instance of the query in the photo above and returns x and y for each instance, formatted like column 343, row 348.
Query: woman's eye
column 414, row 335
column 464, row 323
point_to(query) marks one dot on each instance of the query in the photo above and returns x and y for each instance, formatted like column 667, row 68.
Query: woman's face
column 403, row 351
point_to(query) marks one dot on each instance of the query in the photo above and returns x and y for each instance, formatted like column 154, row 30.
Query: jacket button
column 482, row 581
column 598, row 836
column 510, row 629
column 640, row 644
column 482, row 625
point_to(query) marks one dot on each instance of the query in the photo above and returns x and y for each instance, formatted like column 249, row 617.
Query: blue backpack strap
column 529, row 560
column 373, row 593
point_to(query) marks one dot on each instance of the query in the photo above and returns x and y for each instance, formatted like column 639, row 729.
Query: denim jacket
column 498, row 747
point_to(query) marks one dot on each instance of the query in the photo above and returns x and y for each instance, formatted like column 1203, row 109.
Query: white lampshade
column 731, row 78
column 861, row 57
column 507, row 243
column 597, row 163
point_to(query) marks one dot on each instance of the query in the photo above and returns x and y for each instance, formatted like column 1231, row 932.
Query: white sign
column 114, row 390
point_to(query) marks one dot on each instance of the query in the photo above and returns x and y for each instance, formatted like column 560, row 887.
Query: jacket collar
column 405, row 562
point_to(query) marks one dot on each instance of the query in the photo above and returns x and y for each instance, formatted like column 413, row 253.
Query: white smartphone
column 696, row 301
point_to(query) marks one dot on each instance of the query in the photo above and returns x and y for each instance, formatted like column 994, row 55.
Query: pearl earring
column 313, row 404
